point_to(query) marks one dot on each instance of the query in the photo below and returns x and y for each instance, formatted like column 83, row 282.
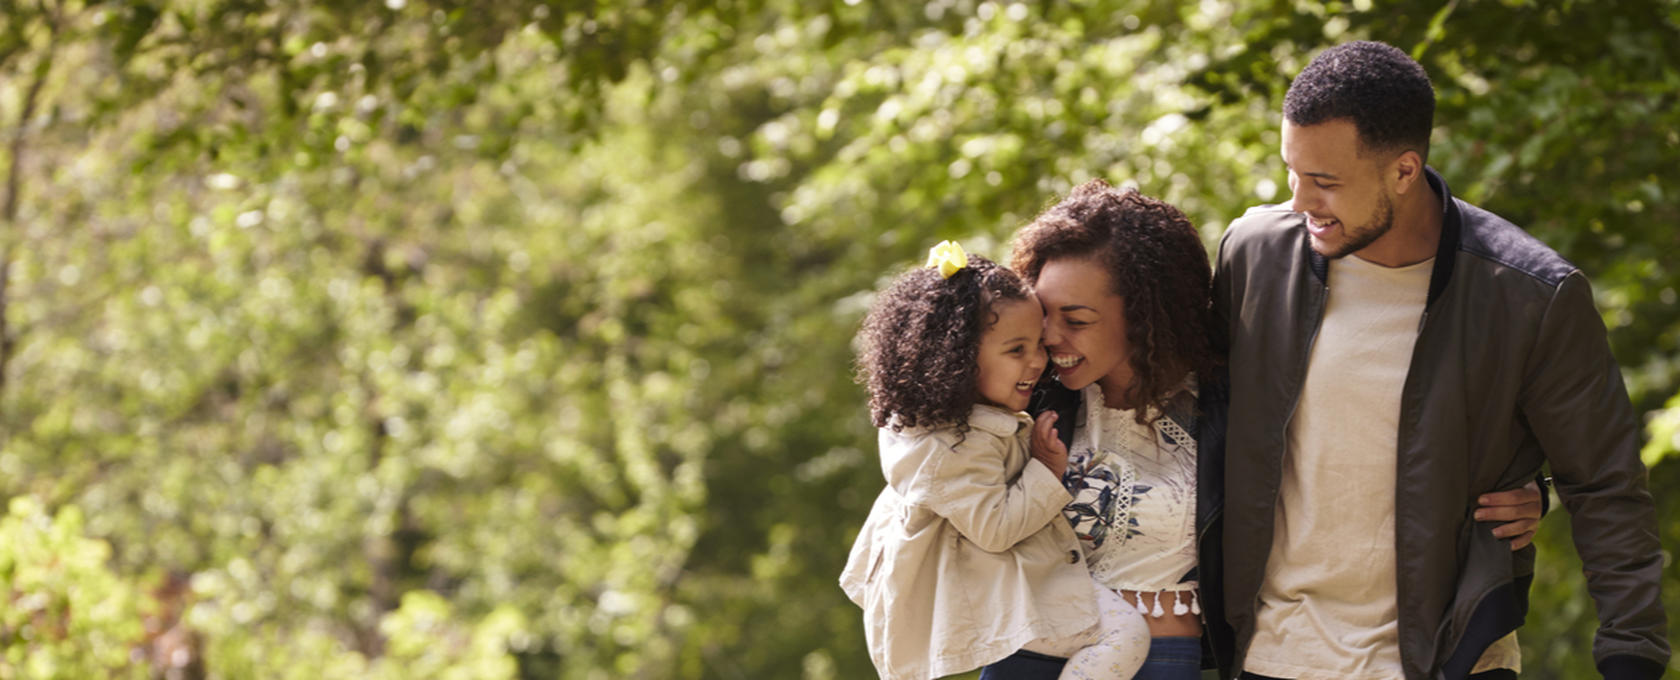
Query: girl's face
column 1085, row 327
column 1011, row 356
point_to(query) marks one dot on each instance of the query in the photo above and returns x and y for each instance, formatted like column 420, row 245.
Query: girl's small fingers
column 1045, row 426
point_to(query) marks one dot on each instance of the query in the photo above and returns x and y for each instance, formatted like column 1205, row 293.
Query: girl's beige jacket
column 965, row 556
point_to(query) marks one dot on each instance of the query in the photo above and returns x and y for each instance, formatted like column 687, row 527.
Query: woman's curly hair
column 1156, row 264
column 921, row 343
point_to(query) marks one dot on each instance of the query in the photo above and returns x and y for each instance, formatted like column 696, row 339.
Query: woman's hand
column 1518, row 508
column 1047, row 447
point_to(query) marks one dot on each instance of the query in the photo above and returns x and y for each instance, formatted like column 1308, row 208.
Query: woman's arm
column 1519, row 508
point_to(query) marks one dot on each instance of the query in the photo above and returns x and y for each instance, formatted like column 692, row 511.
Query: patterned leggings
column 1113, row 649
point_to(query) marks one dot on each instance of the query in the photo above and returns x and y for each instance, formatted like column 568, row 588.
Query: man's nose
column 1300, row 200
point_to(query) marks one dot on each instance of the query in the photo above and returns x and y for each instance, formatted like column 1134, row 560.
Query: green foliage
column 66, row 614
column 434, row 340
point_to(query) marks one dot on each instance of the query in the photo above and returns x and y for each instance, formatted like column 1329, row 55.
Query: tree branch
column 14, row 181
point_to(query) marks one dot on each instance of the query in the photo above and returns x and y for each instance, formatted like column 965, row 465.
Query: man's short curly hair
column 1381, row 89
column 1157, row 265
column 921, row 343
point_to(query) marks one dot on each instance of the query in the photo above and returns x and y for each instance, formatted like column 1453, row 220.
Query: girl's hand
column 1046, row 446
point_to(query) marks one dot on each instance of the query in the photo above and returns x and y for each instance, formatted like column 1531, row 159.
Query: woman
column 1124, row 282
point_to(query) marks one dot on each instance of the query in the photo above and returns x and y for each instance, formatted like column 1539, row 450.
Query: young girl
column 966, row 558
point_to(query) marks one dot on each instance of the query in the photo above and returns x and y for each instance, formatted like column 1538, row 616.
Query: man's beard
column 1357, row 239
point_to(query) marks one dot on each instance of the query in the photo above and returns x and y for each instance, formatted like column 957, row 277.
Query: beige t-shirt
column 1327, row 603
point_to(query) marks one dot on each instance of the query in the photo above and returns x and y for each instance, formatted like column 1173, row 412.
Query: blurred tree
column 66, row 615
column 423, row 339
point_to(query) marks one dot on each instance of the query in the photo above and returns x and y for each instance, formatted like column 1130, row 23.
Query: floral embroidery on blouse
column 1103, row 497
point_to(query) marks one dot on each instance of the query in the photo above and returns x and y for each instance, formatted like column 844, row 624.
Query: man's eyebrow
column 1320, row 175
column 1075, row 308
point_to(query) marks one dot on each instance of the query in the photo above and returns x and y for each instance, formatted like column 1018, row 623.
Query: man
column 1396, row 352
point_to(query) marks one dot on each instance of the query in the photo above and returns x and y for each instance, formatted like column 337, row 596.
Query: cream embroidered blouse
column 1134, row 506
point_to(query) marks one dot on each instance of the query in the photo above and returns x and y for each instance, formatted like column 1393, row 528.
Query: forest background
column 439, row 339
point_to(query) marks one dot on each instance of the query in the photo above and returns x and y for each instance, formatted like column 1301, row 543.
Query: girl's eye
column 1017, row 349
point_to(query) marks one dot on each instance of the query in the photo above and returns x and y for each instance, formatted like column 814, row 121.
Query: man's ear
column 1406, row 171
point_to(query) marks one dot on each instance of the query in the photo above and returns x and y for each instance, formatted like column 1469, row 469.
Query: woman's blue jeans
column 1170, row 658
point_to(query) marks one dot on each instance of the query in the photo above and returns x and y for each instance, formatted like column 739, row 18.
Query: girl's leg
column 1120, row 642
column 1172, row 658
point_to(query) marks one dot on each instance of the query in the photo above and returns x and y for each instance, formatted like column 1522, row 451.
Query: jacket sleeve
column 969, row 488
column 1576, row 405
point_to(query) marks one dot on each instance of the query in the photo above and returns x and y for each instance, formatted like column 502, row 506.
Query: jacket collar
column 1452, row 225
column 996, row 421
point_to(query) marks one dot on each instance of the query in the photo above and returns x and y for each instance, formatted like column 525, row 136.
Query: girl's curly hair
column 1156, row 263
column 921, row 343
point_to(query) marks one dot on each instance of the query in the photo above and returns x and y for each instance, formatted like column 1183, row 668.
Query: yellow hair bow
column 948, row 257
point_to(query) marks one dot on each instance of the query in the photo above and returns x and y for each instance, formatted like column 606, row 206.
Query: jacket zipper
column 1301, row 377
column 1399, row 435
column 1306, row 361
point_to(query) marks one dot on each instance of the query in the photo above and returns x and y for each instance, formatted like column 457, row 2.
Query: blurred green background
column 414, row 339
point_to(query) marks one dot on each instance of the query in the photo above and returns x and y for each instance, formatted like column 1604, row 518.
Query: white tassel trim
column 1178, row 606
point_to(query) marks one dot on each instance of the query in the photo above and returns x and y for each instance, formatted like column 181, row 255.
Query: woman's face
column 1085, row 327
